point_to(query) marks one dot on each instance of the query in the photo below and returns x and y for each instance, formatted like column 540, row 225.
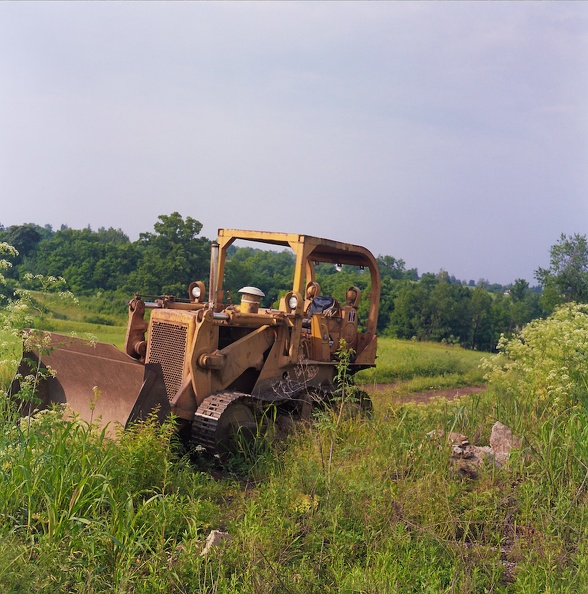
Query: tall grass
column 383, row 510
column 344, row 504
column 84, row 513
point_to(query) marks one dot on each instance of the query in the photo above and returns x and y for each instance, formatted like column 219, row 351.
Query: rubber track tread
column 207, row 416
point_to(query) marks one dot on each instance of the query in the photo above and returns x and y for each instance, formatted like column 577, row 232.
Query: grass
column 109, row 312
column 109, row 334
column 384, row 513
column 85, row 317
column 345, row 504
column 426, row 365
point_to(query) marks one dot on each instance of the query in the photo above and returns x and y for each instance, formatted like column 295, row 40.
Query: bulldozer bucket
column 97, row 381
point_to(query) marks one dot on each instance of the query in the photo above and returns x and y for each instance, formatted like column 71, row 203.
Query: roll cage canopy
column 308, row 250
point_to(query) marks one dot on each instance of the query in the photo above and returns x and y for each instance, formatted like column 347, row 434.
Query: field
column 345, row 504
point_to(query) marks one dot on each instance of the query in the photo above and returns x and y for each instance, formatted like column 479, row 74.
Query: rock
column 455, row 439
column 214, row 539
column 466, row 470
column 467, row 458
column 436, row 434
column 502, row 441
column 474, row 454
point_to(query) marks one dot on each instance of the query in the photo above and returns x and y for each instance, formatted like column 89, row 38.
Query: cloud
column 452, row 135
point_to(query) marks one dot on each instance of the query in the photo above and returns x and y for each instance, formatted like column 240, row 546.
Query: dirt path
column 424, row 397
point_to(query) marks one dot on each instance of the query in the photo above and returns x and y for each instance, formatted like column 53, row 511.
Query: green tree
column 390, row 290
column 411, row 315
column 83, row 256
column 171, row 257
column 24, row 238
column 519, row 290
column 391, row 267
column 270, row 271
column 449, row 312
column 525, row 305
column 481, row 321
column 566, row 279
column 112, row 235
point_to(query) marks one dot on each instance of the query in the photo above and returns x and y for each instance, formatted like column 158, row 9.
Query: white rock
column 214, row 539
column 502, row 441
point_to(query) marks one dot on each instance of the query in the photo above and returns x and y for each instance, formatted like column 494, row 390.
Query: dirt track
column 424, row 397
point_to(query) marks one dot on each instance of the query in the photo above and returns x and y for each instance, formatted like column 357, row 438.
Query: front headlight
column 196, row 292
column 292, row 303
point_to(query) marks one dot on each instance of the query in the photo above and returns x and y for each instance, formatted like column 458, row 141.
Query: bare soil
column 424, row 397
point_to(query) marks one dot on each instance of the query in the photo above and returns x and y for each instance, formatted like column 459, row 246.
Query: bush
column 546, row 366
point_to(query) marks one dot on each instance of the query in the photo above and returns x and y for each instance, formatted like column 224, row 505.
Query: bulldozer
column 218, row 367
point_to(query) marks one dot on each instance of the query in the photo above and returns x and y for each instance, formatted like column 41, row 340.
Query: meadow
column 344, row 504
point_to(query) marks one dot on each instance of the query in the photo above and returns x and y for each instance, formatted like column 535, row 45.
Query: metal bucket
column 97, row 381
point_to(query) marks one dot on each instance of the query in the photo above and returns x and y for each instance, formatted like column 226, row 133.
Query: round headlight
column 293, row 302
column 196, row 292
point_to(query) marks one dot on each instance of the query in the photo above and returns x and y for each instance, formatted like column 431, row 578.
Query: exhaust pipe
column 213, row 282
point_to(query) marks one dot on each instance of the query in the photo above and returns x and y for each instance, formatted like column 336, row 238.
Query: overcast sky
column 451, row 135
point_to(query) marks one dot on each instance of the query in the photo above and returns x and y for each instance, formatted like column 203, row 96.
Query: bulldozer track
column 207, row 416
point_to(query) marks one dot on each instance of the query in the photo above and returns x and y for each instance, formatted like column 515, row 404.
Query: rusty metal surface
column 99, row 382
column 168, row 344
column 206, row 419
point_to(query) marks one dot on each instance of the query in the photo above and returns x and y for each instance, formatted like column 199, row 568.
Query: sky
column 451, row 135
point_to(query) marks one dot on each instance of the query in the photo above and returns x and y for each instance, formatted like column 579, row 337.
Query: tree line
column 435, row 307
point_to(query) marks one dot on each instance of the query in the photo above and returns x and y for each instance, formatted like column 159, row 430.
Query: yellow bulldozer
column 218, row 367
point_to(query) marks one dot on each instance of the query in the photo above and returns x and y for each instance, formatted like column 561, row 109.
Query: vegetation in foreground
column 345, row 504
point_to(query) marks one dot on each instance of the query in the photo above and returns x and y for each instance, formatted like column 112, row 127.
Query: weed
column 348, row 504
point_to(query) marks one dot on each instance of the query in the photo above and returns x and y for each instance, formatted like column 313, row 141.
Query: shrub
column 545, row 366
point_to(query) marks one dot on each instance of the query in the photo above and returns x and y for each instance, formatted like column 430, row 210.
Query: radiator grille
column 168, row 347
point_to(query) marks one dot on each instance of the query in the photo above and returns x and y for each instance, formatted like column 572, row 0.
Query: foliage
column 17, row 321
column 270, row 271
column 170, row 258
column 88, row 514
column 6, row 251
column 346, row 504
column 24, row 238
column 165, row 261
column 436, row 309
column 91, row 261
column 566, row 279
column 394, row 268
column 546, row 363
column 106, row 264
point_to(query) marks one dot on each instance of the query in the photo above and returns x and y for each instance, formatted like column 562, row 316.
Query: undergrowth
column 87, row 515
column 347, row 503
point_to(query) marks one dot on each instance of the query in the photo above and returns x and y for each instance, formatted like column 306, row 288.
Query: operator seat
column 328, row 326
column 315, row 303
